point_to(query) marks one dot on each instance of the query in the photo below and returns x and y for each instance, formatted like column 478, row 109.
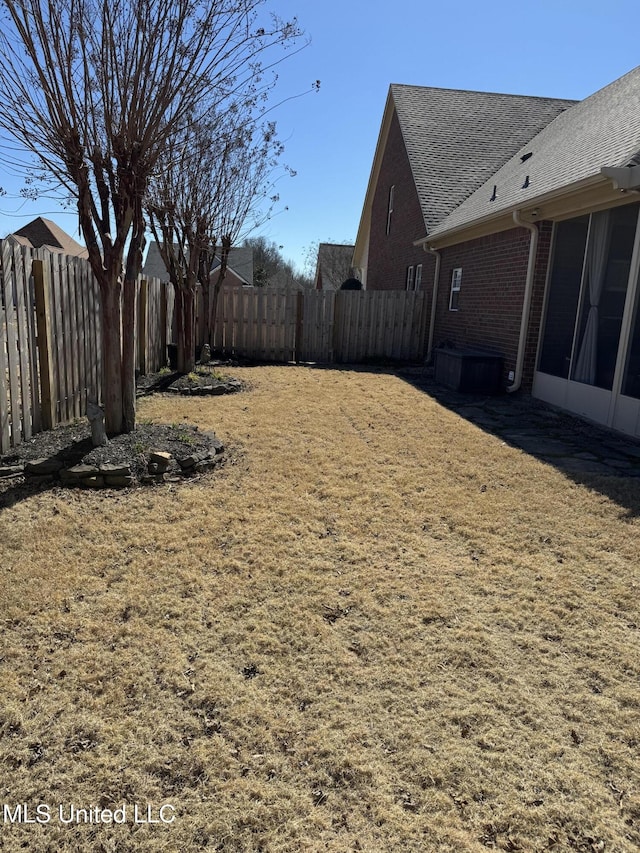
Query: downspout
column 526, row 305
column 434, row 298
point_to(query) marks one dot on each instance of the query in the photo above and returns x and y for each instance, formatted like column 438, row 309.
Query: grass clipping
column 378, row 629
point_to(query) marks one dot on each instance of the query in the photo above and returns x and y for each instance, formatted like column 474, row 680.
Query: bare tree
column 271, row 269
column 213, row 184
column 94, row 90
column 329, row 264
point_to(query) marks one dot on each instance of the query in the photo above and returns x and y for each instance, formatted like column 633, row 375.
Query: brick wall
column 494, row 270
column 391, row 254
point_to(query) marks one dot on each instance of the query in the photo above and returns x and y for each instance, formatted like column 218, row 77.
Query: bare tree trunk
column 185, row 324
column 222, row 272
column 129, row 356
column 206, row 307
column 213, row 313
column 112, row 357
column 179, row 324
column 189, row 331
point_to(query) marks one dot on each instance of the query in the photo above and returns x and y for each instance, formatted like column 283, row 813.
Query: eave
column 589, row 195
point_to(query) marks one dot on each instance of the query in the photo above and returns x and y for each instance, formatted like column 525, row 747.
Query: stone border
column 161, row 467
column 229, row 386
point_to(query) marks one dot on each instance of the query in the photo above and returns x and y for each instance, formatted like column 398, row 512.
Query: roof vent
column 526, row 183
column 494, row 195
column 526, row 156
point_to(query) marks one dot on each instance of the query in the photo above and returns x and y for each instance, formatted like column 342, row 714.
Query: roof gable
column 456, row 139
column 601, row 131
column 240, row 262
column 334, row 264
column 42, row 232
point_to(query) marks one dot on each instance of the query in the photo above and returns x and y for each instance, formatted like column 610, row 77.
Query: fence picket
column 22, row 339
column 9, row 284
column 5, row 406
column 276, row 325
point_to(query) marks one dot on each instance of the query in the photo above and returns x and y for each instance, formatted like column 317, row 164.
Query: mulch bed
column 206, row 379
column 71, row 443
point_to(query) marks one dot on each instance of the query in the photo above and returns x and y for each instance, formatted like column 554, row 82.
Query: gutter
column 434, row 298
column 526, row 305
column 459, row 233
column 624, row 178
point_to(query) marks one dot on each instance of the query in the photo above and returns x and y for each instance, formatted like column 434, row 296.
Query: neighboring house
column 44, row 233
column 239, row 266
column 333, row 266
column 540, row 259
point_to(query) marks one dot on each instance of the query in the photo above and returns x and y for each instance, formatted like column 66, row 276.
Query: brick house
column 239, row 266
column 539, row 260
column 333, row 265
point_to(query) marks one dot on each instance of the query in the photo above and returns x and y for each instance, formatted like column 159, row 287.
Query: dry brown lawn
column 378, row 628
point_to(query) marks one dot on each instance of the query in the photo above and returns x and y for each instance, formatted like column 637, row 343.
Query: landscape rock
column 119, row 482
column 77, row 473
column 41, row 467
column 205, row 465
column 96, row 482
column 192, row 459
column 11, row 470
column 114, row 470
column 95, row 416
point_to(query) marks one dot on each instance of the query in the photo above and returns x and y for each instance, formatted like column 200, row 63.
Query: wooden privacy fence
column 50, row 338
column 320, row 326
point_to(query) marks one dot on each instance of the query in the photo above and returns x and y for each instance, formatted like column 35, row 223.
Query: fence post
column 299, row 325
column 164, row 296
column 45, row 350
column 143, row 326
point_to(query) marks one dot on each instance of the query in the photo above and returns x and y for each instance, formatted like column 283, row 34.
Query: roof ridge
column 481, row 92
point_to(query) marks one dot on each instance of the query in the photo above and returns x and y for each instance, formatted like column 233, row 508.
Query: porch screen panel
column 564, row 293
column 603, row 302
column 631, row 376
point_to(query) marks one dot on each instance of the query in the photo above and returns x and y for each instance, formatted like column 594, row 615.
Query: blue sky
column 556, row 48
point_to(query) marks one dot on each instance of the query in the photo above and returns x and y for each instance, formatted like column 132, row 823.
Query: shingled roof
column 43, row 232
column 601, row 131
column 333, row 265
column 456, row 139
column 240, row 262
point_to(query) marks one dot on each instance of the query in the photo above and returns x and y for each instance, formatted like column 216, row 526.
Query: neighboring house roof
column 601, row 131
column 45, row 233
column 456, row 139
column 333, row 266
column 240, row 263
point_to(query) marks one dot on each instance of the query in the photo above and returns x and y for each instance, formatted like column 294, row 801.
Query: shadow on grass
column 14, row 490
column 600, row 459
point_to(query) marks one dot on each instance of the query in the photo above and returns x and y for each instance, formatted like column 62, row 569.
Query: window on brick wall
column 418, row 279
column 410, row 278
column 456, row 283
column 390, row 207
